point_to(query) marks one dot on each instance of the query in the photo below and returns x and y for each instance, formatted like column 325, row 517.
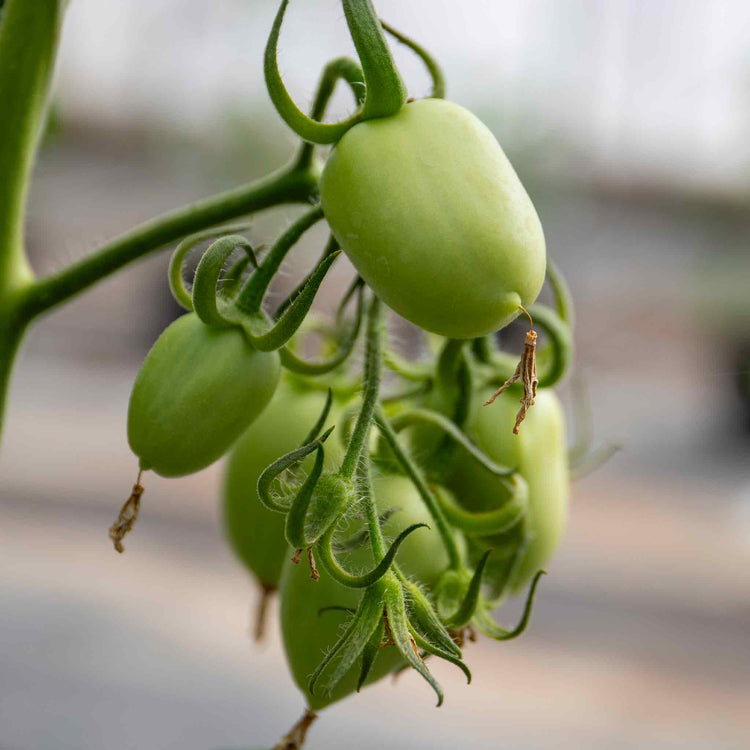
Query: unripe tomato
column 256, row 533
column 308, row 635
column 432, row 215
column 539, row 452
column 197, row 391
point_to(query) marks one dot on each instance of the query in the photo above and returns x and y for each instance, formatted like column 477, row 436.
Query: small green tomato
column 539, row 452
column 197, row 391
column 432, row 215
column 308, row 634
column 256, row 533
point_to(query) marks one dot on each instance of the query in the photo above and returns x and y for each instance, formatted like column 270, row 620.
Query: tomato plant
column 422, row 199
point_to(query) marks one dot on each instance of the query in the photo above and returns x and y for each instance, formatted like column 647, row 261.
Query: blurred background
column 627, row 122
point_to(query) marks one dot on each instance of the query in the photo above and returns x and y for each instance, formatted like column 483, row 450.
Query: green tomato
column 197, row 391
column 434, row 218
column 256, row 533
column 308, row 635
column 539, row 452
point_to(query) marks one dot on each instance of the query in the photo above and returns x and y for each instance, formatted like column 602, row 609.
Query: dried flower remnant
column 526, row 372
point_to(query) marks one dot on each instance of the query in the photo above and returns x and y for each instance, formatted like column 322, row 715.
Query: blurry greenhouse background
column 628, row 123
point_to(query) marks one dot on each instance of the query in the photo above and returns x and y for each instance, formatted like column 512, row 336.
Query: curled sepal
column 591, row 461
column 176, row 281
column 292, row 318
column 370, row 653
column 297, row 515
column 364, row 623
column 327, row 557
column 429, row 648
column 435, row 71
column 250, row 298
column 490, row 628
column 361, row 538
column 435, row 419
column 280, row 465
column 398, row 626
column 425, row 620
column 561, row 293
column 465, row 612
column 305, row 127
column 417, row 372
column 296, row 364
column 231, row 280
column 385, row 92
column 204, row 295
column 331, row 247
column 483, row 523
column 320, row 423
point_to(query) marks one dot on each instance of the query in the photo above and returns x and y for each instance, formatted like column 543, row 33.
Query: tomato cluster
column 391, row 517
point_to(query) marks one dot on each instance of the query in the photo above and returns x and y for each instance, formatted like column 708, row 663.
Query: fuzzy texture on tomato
column 433, row 216
column 256, row 533
column 308, row 635
column 539, row 452
column 197, row 391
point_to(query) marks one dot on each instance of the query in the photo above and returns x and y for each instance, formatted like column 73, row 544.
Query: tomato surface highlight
column 433, row 216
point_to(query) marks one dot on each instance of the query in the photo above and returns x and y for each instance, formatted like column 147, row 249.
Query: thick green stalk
column 29, row 32
column 373, row 366
column 284, row 186
column 371, row 512
column 11, row 332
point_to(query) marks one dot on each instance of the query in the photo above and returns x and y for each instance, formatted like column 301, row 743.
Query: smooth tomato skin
column 432, row 215
column 255, row 533
column 197, row 391
column 308, row 636
column 539, row 452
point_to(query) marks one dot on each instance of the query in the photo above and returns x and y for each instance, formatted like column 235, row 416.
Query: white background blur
column 628, row 122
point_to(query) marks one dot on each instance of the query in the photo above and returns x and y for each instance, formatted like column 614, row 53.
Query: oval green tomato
column 432, row 215
column 197, row 391
column 256, row 533
column 308, row 635
column 539, row 452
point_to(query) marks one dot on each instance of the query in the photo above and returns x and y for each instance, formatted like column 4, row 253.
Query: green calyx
column 384, row 90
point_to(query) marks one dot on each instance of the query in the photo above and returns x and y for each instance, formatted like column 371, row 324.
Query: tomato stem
column 373, row 367
column 413, row 472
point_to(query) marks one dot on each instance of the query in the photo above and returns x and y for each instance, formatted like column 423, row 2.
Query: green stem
column 286, row 185
column 12, row 328
column 29, row 33
column 371, row 511
column 373, row 364
column 454, row 556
